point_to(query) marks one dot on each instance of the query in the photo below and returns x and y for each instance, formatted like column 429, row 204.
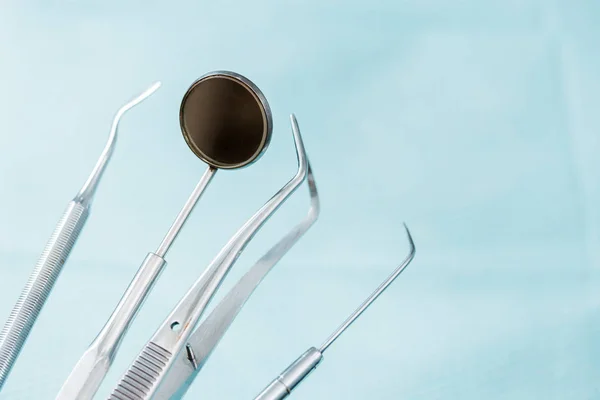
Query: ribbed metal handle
column 38, row 287
column 143, row 374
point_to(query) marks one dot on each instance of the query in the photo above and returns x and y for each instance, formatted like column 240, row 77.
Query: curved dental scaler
column 147, row 373
column 41, row 281
column 282, row 386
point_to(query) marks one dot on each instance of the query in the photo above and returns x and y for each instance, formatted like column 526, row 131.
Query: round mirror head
column 226, row 121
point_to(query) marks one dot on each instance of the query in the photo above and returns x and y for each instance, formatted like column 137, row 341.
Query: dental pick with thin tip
column 48, row 268
column 282, row 386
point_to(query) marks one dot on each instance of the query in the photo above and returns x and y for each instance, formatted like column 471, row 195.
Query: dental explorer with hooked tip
column 282, row 386
column 41, row 281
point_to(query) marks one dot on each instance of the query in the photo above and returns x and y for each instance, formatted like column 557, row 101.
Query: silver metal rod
column 91, row 369
column 185, row 212
column 39, row 285
column 24, row 314
column 282, row 386
column 88, row 190
column 357, row 313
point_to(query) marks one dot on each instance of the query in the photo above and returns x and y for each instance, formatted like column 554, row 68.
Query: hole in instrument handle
column 175, row 326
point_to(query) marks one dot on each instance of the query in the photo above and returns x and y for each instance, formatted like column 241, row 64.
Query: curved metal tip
column 413, row 249
column 300, row 151
column 315, row 203
column 86, row 193
column 137, row 100
column 358, row 312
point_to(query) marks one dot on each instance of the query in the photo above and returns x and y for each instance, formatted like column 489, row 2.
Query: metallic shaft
column 357, row 313
column 38, row 287
column 185, row 212
column 91, row 369
column 88, row 190
column 282, row 386
column 33, row 297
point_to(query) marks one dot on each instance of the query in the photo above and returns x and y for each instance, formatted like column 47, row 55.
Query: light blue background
column 476, row 122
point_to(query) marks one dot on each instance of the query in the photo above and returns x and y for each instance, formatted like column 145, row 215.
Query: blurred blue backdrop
column 476, row 122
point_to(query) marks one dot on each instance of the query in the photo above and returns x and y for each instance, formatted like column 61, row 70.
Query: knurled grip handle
column 143, row 374
column 38, row 287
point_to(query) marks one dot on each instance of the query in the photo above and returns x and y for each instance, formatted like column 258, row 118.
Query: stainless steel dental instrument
column 152, row 365
column 207, row 336
column 282, row 386
column 48, row 268
column 226, row 122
